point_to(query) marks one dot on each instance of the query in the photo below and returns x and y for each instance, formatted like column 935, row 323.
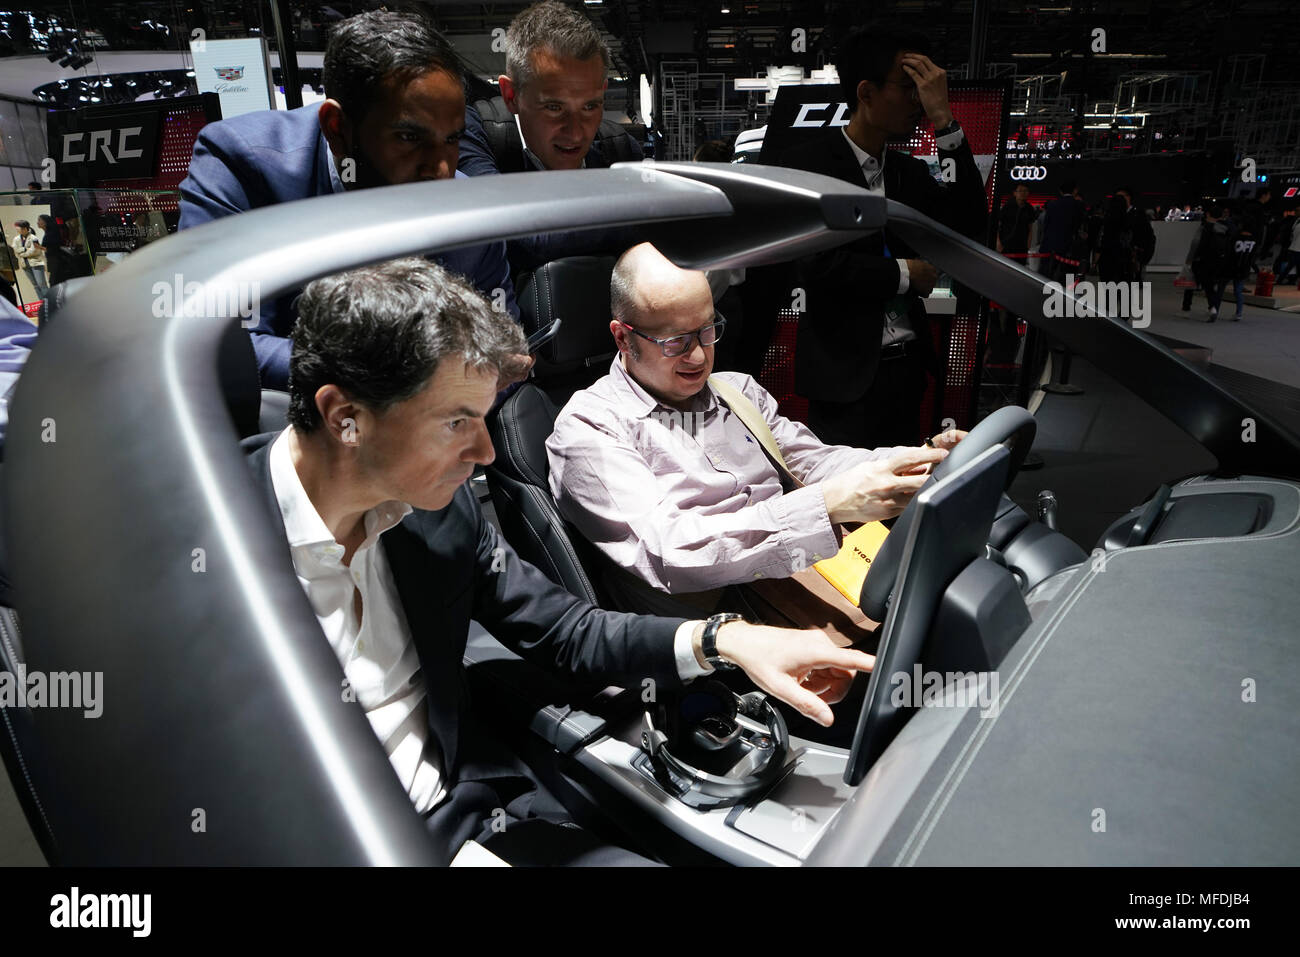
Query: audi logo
column 1028, row 172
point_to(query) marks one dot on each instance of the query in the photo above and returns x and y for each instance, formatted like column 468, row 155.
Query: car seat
column 575, row 291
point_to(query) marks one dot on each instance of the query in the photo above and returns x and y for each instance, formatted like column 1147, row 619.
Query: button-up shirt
column 376, row 650
column 689, row 502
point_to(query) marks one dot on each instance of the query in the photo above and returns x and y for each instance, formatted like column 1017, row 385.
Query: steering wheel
column 1011, row 425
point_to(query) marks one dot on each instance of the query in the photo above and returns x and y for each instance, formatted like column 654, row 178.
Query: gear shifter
column 711, row 748
column 1047, row 508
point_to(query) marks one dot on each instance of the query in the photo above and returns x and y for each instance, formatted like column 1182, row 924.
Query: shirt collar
column 303, row 526
column 872, row 168
column 336, row 184
column 634, row 394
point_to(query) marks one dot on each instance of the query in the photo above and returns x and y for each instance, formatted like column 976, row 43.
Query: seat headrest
column 575, row 290
column 519, row 431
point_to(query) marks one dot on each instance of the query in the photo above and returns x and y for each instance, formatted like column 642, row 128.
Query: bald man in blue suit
column 394, row 113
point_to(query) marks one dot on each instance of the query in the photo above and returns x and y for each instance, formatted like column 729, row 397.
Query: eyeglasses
column 675, row 346
column 908, row 88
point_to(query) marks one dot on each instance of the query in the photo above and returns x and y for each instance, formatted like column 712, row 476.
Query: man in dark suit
column 864, row 344
column 394, row 113
column 550, row 116
column 394, row 367
column 1063, row 222
column 1139, row 227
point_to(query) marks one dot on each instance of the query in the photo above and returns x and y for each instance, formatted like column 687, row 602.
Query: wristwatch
column 952, row 127
column 709, row 643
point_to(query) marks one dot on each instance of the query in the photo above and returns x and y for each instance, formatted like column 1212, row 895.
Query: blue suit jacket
column 17, row 336
column 275, row 156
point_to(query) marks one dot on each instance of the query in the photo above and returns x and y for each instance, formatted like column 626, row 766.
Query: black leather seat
column 576, row 291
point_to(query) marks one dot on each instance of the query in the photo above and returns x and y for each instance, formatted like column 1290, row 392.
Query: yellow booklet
column 848, row 569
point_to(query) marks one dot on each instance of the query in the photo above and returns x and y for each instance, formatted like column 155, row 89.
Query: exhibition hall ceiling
column 1247, row 41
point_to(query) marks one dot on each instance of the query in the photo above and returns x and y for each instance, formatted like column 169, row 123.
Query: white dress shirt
column 377, row 652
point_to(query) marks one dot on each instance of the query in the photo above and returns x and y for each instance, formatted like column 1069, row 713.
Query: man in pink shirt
column 654, row 468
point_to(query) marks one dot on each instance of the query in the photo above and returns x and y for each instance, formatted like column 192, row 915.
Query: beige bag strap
column 753, row 420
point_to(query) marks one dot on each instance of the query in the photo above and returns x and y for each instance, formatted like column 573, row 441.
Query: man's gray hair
column 550, row 26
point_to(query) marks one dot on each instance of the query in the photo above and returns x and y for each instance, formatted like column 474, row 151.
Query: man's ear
column 864, row 92
column 335, row 126
column 509, row 93
column 619, row 333
column 342, row 416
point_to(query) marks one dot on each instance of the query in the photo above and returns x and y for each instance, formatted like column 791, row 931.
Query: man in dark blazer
column 394, row 367
column 550, row 116
column 864, row 344
column 394, row 113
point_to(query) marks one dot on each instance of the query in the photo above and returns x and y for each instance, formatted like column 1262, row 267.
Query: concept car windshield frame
column 131, row 513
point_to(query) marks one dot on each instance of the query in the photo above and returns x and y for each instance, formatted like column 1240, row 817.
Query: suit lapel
column 893, row 176
column 324, row 182
column 895, row 167
column 415, row 574
column 844, row 160
column 260, row 461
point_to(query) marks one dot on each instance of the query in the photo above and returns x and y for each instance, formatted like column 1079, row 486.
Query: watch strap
column 709, row 642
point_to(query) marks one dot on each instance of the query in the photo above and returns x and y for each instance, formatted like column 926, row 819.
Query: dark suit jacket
column 1063, row 218
column 846, row 288
column 443, row 566
column 277, row 156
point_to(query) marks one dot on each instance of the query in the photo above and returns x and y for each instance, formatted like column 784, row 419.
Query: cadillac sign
column 237, row 71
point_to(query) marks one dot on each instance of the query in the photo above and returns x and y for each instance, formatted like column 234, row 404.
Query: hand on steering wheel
column 1011, row 425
